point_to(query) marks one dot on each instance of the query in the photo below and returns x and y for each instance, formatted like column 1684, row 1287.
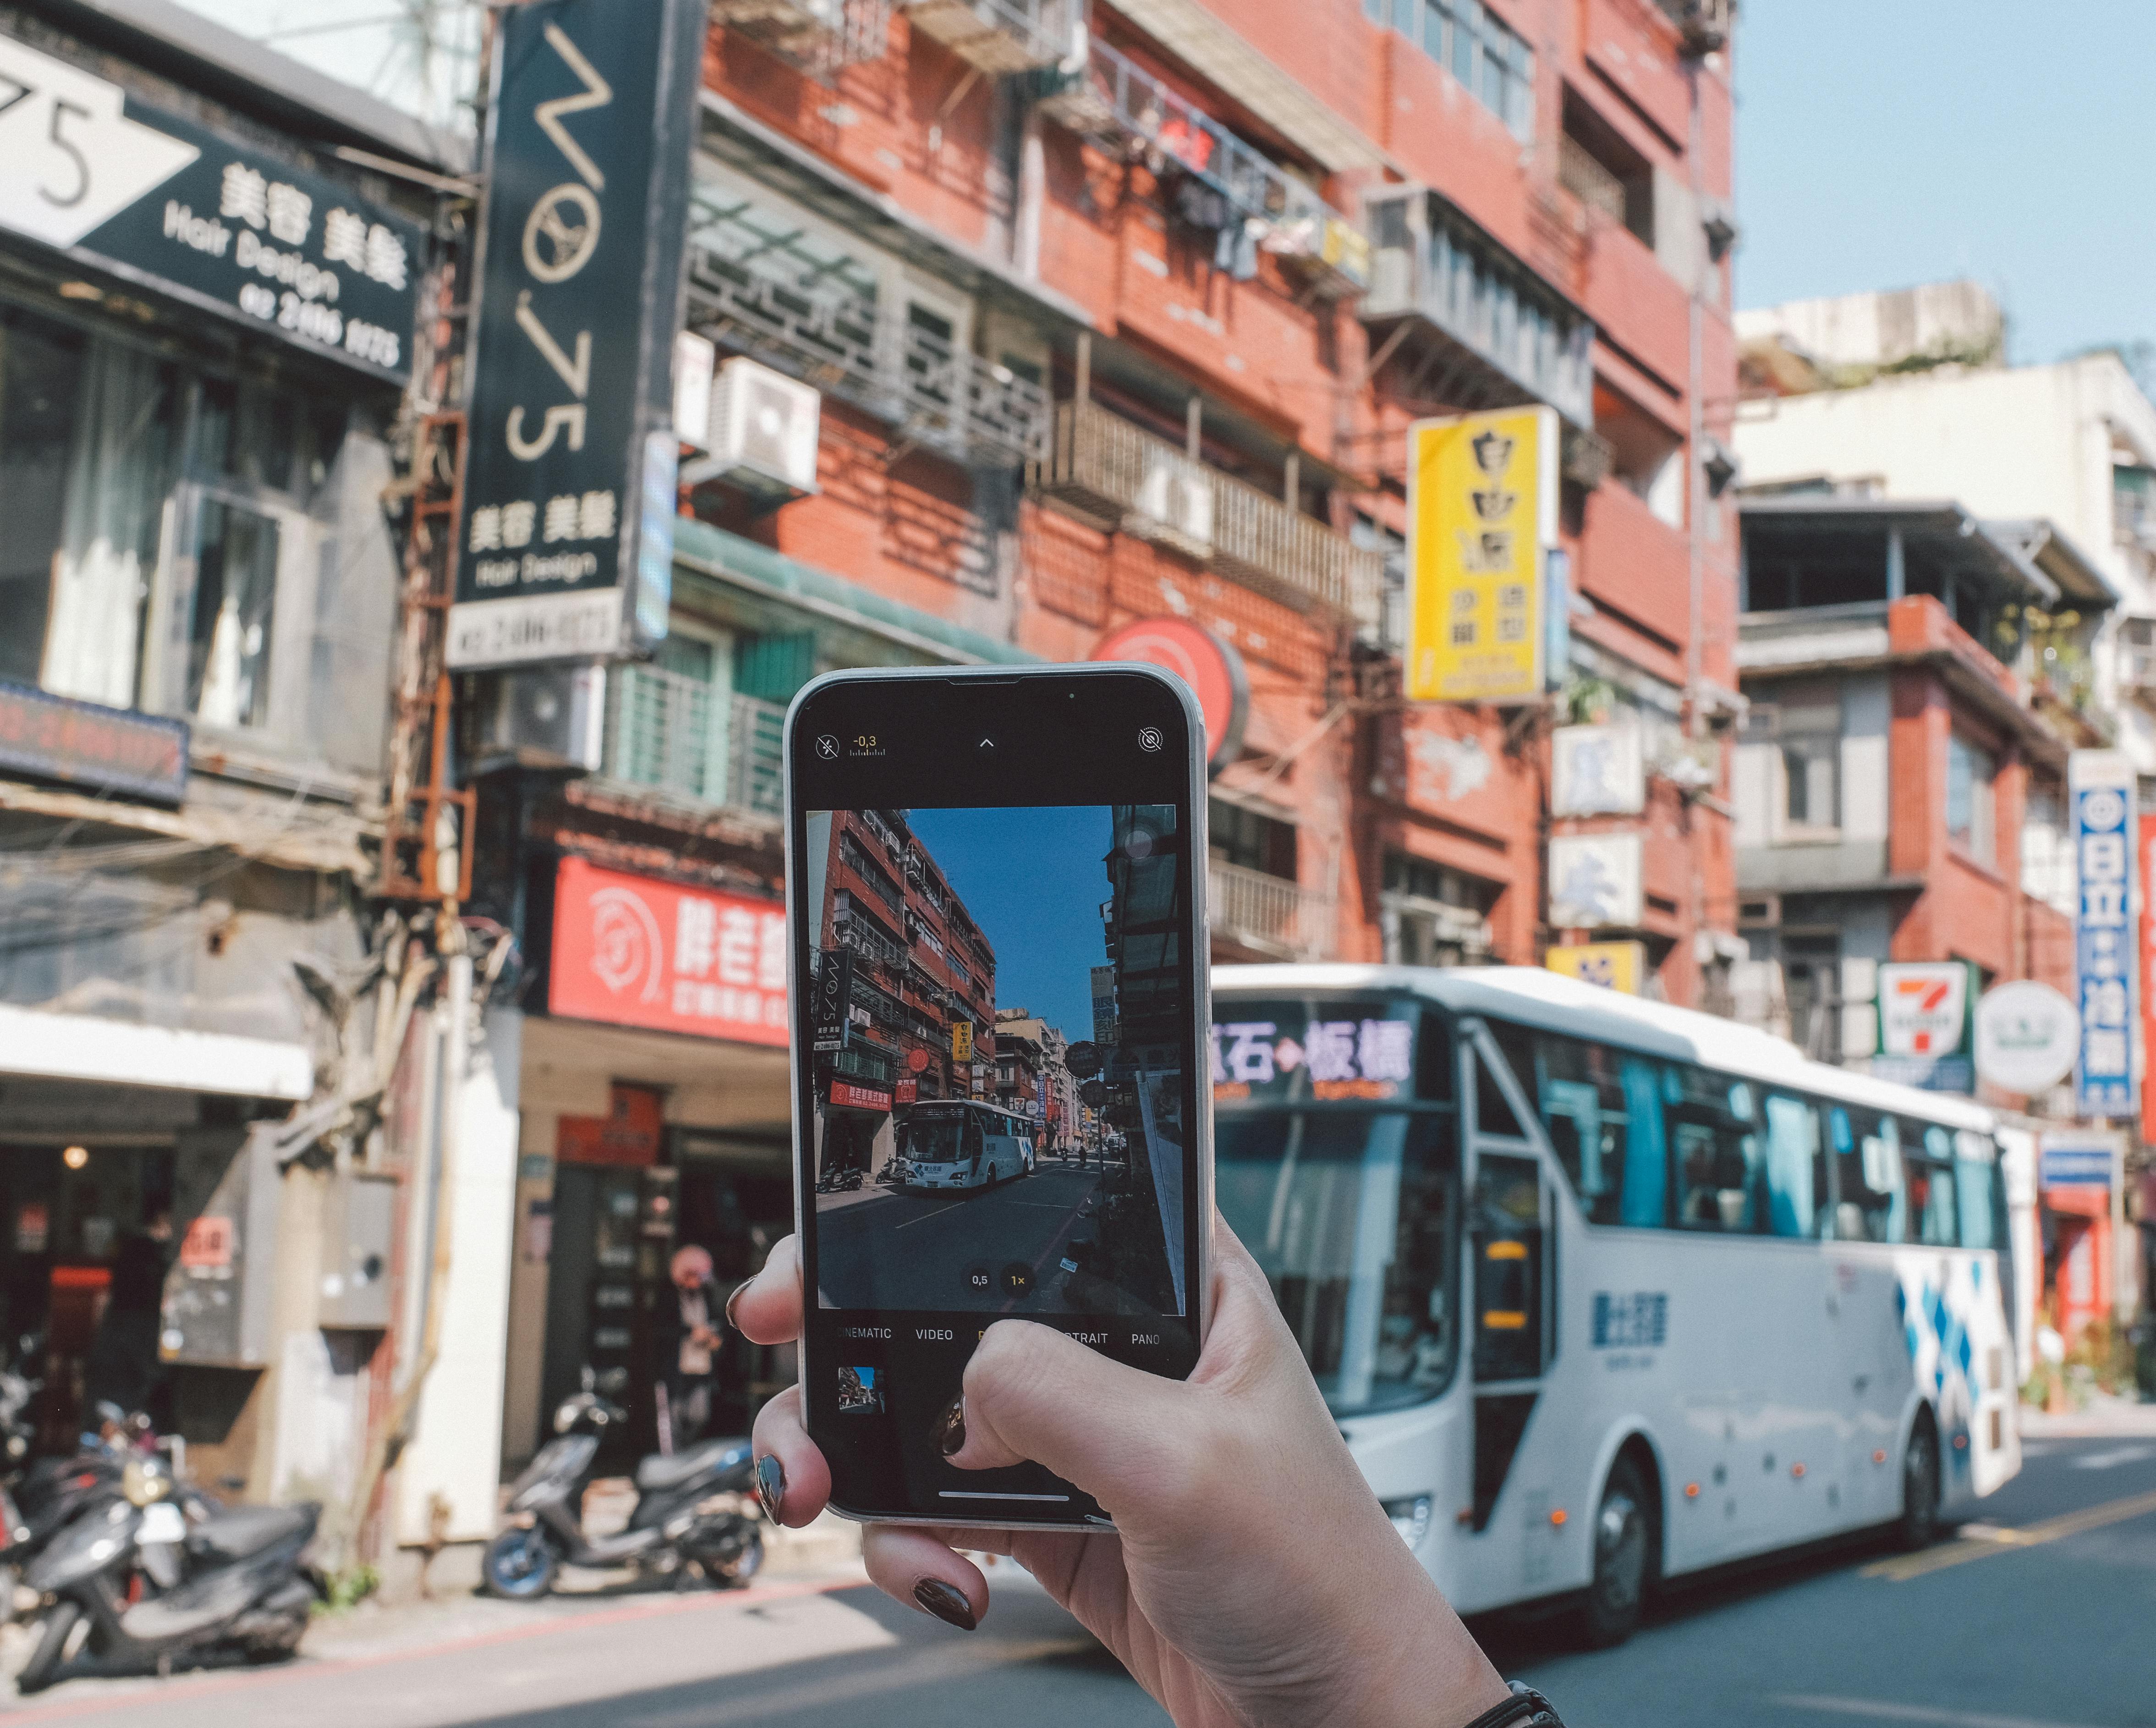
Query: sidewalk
column 2102, row 1418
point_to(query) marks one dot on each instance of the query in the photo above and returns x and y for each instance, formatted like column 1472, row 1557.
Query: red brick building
column 1033, row 319
column 1129, row 321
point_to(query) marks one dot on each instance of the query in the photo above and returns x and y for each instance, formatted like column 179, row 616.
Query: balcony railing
column 664, row 731
column 1000, row 36
column 822, row 319
column 1593, row 185
column 1267, row 914
column 1498, row 334
column 1110, row 96
column 821, row 37
column 1119, row 476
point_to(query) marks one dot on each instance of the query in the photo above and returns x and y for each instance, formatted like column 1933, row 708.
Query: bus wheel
column 1624, row 1559
column 1919, row 1526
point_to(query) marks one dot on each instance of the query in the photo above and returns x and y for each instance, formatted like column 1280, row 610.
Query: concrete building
column 1054, row 1089
column 1900, row 781
column 230, row 1056
column 2072, row 445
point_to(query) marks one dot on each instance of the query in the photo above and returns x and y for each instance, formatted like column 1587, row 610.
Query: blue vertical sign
column 2100, row 787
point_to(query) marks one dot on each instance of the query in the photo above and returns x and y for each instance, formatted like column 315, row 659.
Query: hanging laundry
column 1195, row 204
column 1187, row 141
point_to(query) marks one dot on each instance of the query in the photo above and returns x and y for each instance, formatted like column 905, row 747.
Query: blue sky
column 1034, row 880
column 1880, row 145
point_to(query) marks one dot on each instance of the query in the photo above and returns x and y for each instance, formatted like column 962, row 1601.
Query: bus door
column 974, row 1149
column 1513, row 1282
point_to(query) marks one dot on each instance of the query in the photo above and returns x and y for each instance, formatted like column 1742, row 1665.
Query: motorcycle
column 693, row 1508
column 156, row 1572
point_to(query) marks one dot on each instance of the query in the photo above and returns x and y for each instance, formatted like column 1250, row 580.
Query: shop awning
column 773, row 576
column 81, row 1046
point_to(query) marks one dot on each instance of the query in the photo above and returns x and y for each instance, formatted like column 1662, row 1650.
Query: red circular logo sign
column 1211, row 668
column 917, row 1061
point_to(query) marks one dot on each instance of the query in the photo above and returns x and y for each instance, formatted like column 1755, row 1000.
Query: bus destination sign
column 1322, row 1052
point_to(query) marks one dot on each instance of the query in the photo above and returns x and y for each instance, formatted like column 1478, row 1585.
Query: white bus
column 1602, row 1291
column 960, row 1142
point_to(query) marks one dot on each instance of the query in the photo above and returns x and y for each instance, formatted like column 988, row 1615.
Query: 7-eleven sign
column 1923, row 1008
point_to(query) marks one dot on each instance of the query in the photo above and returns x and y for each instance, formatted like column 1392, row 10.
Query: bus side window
column 1932, row 1218
column 1583, row 1110
column 1714, row 1149
column 1867, row 1172
column 1976, row 1158
column 1645, row 1193
column 1793, row 1156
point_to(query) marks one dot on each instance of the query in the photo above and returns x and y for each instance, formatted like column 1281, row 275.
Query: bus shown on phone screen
column 1602, row 1290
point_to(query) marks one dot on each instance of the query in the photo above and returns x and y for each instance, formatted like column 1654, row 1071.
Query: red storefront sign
column 909, row 1091
column 636, row 952
column 2148, row 839
column 850, row 1097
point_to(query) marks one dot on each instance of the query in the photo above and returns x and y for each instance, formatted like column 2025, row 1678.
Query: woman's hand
column 1252, row 1578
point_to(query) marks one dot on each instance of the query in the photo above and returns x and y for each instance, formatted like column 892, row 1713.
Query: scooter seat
column 237, row 1531
column 659, row 1471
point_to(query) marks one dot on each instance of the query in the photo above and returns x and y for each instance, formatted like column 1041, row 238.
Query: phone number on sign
column 313, row 321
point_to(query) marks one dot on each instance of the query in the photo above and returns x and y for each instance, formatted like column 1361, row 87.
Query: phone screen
column 999, row 963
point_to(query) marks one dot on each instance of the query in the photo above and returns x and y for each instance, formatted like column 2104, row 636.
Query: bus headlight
column 1411, row 1519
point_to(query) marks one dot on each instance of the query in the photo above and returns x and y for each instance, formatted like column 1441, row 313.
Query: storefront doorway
column 79, row 1215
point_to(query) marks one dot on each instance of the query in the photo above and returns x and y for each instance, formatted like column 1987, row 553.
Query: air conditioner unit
column 1760, row 911
column 548, row 717
column 763, row 430
column 1174, row 504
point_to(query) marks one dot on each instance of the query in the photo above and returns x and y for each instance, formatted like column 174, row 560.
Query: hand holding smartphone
column 995, row 893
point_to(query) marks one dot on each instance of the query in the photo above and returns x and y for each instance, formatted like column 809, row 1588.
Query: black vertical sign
column 834, row 1000
column 569, row 479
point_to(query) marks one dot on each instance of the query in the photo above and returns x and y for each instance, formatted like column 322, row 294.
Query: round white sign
column 2027, row 1036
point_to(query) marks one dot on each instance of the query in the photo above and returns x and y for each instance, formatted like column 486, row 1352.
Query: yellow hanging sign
column 1619, row 966
column 1482, row 499
column 961, row 1040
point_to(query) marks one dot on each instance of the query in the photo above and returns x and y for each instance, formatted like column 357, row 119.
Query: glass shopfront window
column 173, row 542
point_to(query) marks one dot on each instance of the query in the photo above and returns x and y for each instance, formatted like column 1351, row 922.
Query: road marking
column 1979, row 1541
column 1910, row 1713
column 2111, row 1460
column 925, row 1216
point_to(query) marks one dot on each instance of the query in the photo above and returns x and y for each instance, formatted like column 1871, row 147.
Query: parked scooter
column 693, row 1508
column 154, row 1572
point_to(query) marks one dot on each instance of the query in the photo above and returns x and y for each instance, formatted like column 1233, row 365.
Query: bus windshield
column 937, row 1138
column 1354, row 1216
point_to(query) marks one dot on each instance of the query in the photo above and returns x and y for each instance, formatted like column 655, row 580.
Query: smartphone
column 996, row 895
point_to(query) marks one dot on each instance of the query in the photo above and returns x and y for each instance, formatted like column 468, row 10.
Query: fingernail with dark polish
column 730, row 1302
column 945, row 1603
column 770, row 1484
column 951, row 1428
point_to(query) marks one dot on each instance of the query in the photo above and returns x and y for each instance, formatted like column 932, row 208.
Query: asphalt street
column 890, row 1248
column 2039, row 1616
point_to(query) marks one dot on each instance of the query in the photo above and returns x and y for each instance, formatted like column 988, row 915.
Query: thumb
column 1036, row 1395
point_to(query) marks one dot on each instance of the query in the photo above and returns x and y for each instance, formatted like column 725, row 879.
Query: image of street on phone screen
column 997, row 1023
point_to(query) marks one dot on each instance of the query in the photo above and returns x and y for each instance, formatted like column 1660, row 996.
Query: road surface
column 2039, row 1616
column 886, row 1248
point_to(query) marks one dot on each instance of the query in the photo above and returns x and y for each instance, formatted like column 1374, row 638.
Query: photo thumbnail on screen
column 1000, row 1038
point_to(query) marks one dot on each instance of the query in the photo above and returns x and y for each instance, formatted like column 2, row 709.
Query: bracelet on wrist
column 1525, row 1708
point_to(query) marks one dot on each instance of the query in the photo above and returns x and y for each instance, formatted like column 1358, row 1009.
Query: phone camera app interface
column 998, row 1025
